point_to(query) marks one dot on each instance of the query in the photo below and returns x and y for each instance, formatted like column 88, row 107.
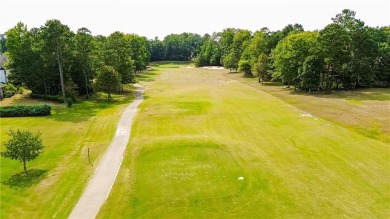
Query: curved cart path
column 102, row 180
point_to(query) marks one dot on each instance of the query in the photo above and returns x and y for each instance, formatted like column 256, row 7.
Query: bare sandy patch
column 213, row 67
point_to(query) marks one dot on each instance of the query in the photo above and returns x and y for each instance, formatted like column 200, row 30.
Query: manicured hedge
column 47, row 97
column 22, row 111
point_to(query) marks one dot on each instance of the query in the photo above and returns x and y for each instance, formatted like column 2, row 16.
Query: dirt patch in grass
column 213, row 67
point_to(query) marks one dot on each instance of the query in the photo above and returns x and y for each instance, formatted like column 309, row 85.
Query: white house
column 3, row 80
column 3, row 75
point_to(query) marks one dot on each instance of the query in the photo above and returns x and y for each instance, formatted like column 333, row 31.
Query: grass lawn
column 363, row 110
column 57, row 178
column 205, row 145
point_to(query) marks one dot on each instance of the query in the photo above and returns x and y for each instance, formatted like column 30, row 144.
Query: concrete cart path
column 102, row 180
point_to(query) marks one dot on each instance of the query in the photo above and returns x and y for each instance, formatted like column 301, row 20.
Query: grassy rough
column 56, row 179
column 198, row 131
column 363, row 110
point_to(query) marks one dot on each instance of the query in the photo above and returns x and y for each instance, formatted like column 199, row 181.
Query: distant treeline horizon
column 344, row 54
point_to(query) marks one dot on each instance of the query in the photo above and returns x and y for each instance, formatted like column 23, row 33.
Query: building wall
column 3, row 77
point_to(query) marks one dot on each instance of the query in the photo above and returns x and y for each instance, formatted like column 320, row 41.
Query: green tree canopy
column 313, row 67
column 24, row 146
column 117, row 53
column 182, row 46
column 55, row 40
column 226, row 42
column 85, row 53
column 262, row 67
column 245, row 66
column 139, row 51
column 210, row 54
column 157, row 50
column 290, row 54
column 230, row 61
column 108, row 80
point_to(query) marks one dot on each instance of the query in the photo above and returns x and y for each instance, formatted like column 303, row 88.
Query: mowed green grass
column 58, row 177
column 363, row 110
column 198, row 131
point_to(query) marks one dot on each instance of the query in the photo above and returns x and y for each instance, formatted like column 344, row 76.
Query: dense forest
column 345, row 54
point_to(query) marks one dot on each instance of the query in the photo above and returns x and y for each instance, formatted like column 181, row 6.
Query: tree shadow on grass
column 24, row 180
column 147, row 76
column 272, row 83
column 248, row 76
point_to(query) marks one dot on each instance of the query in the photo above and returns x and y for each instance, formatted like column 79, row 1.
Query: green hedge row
column 22, row 111
column 47, row 97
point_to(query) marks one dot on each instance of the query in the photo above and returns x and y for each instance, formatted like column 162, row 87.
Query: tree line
column 54, row 60
column 181, row 47
column 344, row 54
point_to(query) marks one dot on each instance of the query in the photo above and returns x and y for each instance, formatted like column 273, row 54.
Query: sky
column 153, row 18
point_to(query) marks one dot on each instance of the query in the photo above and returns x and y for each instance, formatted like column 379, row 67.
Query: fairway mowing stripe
column 292, row 165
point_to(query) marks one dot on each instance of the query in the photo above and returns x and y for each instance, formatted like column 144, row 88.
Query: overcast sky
column 152, row 18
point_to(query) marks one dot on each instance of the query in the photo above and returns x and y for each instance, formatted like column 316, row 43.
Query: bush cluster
column 21, row 90
column 47, row 97
column 22, row 111
column 9, row 94
column 10, row 90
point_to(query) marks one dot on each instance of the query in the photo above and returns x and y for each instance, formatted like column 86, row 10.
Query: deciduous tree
column 117, row 53
column 230, row 61
column 55, row 40
column 108, row 80
column 24, row 61
column 262, row 67
column 312, row 69
column 24, row 146
column 84, row 51
column 245, row 66
column 290, row 54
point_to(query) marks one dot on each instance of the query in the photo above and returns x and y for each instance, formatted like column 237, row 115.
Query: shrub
column 9, row 94
column 47, row 97
column 21, row 90
column 245, row 66
column 69, row 102
column 10, row 87
column 22, row 111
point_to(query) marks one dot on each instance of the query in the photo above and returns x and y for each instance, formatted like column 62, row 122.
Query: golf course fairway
column 206, row 146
